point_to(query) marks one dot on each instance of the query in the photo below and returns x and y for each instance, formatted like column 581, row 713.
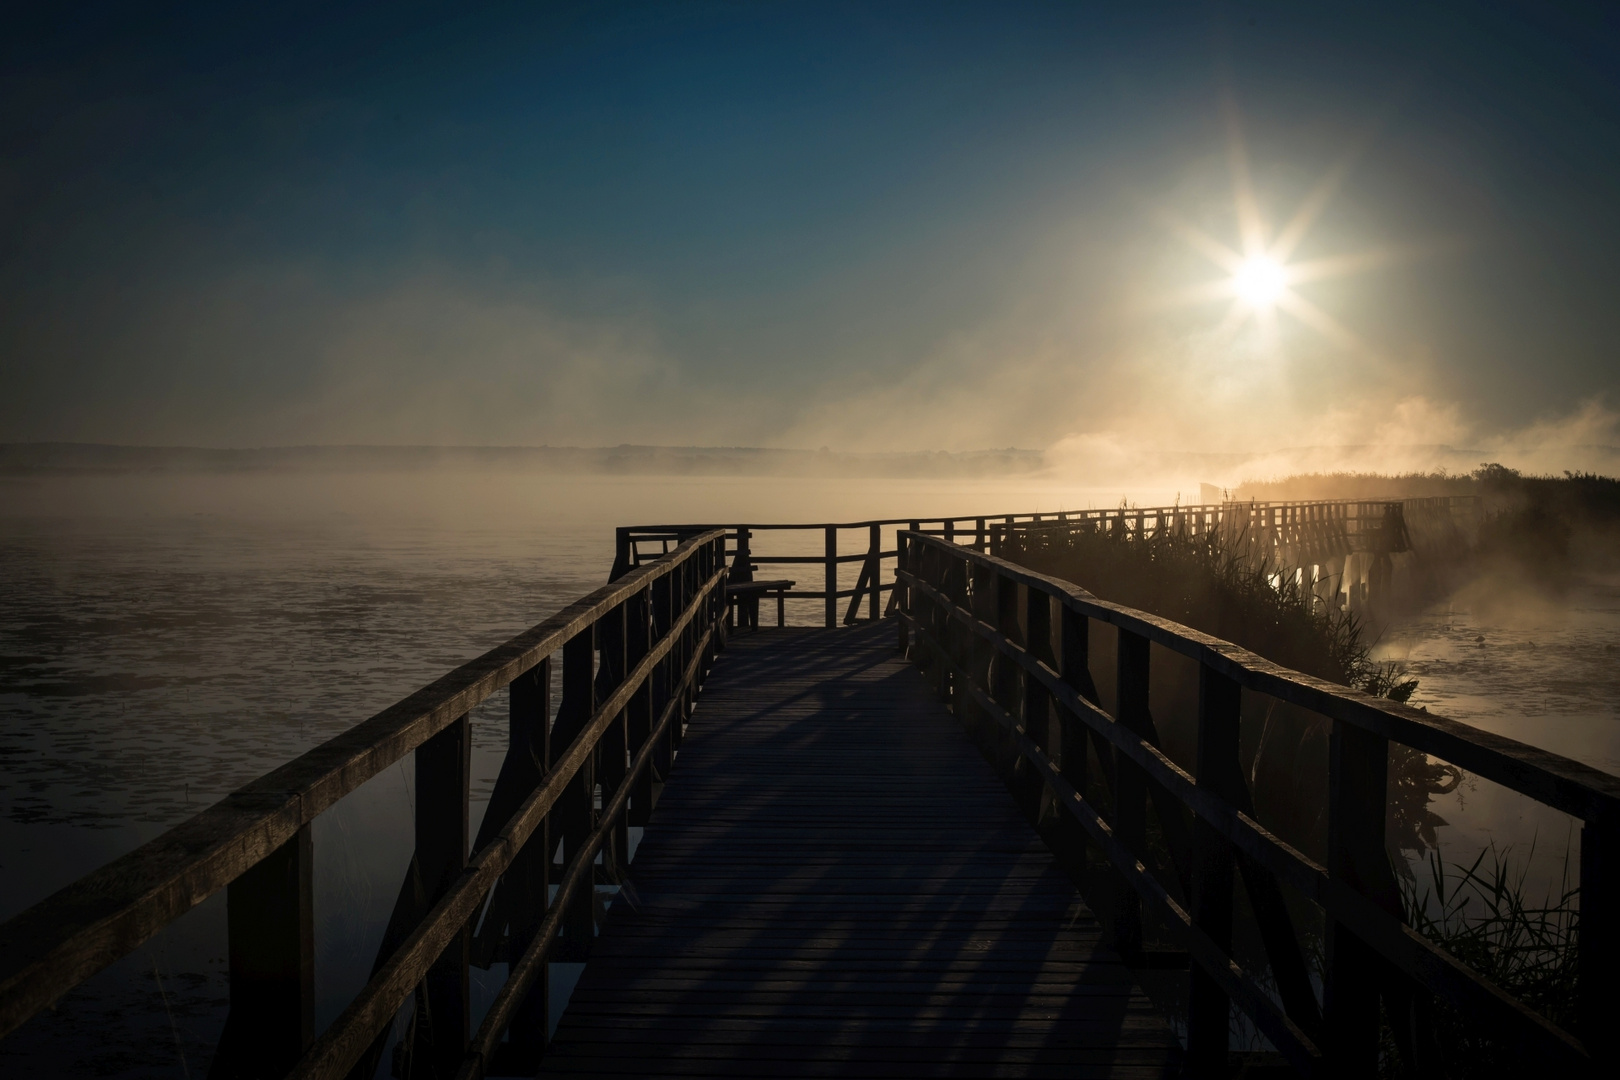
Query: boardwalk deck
column 835, row 883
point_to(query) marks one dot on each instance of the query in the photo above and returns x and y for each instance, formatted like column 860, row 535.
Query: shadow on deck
column 835, row 883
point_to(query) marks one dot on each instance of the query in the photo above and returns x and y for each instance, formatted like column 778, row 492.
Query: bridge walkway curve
column 835, row 883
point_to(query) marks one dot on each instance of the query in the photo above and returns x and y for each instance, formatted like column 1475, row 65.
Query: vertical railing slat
column 270, row 914
column 1358, row 761
column 831, row 560
column 573, row 810
column 443, row 791
column 528, row 880
column 1130, row 784
column 1208, row 1008
column 612, row 633
column 875, row 579
column 1600, row 930
column 638, row 717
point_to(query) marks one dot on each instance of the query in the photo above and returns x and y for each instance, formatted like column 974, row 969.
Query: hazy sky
column 872, row 226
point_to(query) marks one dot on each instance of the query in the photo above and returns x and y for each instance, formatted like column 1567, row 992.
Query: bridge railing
column 1284, row 532
column 1008, row 649
column 633, row 655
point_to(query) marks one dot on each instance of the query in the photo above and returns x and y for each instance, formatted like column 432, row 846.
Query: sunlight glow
column 1260, row 281
column 1258, row 276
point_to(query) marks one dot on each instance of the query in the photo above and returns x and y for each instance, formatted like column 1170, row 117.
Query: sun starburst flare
column 1259, row 277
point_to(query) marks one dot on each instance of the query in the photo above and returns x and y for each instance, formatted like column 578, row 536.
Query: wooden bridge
column 914, row 845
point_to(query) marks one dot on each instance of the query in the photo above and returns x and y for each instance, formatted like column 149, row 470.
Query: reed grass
column 1211, row 583
column 1482, row 913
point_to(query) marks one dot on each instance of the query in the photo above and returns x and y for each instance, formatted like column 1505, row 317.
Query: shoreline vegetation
column 1542, row 530
column 1537, row 529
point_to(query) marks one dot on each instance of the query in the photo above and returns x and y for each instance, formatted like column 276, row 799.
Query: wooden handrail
column 1270, row 525
column 931, row 606
column 56, row 944
column 341, row 1045
column 1413, row 954
column 1562, row 783
column 1055, row 516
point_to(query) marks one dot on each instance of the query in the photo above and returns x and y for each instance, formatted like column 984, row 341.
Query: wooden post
column 1074, row 667
column 905, row 604
column 1004, row 674
column 1600, row 936
column 1130, row 784
column 667, row 606
column 638, row 641
column 1037, row 699
column 1358, row 763
column 742, row 570
column 980, row 537
column 529, row 878
column 442, row 793
column 980, row 653
column 573, row 810
column 1208, row 1008
column 708, row 563
column 612, row 632
column 1038, row 640
column 875, row 584
column 681, row 656
column 270, row 912
column 832, row 576
column 623, row 554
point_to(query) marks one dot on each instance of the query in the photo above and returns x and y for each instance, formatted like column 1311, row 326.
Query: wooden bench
column 742, row 599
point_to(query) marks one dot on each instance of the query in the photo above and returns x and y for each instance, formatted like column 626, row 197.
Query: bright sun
column 1260, row 281
column 1260, row 276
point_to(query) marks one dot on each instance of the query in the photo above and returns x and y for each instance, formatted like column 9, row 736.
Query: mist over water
column 166, row 637
column 1542, row 669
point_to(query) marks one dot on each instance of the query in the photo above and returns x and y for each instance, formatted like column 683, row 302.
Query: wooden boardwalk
column 835, row 883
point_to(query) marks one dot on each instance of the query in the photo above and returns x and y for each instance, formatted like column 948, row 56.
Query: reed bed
column 1482, row 913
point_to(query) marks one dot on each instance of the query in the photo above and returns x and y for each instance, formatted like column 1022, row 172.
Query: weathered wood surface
column 835, row 883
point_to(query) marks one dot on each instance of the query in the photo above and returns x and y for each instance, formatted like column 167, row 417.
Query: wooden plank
column 835, row 883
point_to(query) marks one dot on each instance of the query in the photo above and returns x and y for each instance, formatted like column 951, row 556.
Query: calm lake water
column 164, row 639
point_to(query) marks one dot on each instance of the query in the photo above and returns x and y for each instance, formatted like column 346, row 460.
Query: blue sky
column 878, row 226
